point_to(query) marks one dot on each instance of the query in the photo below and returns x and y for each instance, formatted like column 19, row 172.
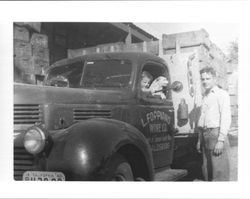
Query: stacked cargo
column 22, row 54
column 233, row 91
column 40, row 52
column 31, row 54
column 150, row 47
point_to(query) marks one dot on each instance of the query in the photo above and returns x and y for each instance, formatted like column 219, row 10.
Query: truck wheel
column 119, row 169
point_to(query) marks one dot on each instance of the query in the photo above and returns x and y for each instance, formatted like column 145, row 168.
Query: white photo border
column 122, row 11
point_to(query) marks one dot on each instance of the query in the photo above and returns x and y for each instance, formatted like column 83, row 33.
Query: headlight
column 34, row 140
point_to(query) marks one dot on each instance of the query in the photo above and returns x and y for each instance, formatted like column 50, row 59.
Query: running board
column 170, row 175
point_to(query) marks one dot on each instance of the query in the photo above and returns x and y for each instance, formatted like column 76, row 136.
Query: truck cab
column 92, row 121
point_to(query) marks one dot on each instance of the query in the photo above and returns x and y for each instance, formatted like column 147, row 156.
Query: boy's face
column 208, row 80
column 145, row 80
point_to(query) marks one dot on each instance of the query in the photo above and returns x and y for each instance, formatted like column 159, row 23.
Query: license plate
column 43, row 176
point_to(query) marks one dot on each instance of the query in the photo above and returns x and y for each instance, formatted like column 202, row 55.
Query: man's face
column 208, row 80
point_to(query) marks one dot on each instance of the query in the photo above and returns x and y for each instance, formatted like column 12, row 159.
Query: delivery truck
column 90, row 120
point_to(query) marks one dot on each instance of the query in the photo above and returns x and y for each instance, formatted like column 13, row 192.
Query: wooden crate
column 24, row 64
column 41, row 53
column 40, row 40
column 35, row 26
column 234, row 99
column 134, row 47
column 22, row 48
column 39, row 64
column 111, row 47
column 21, row 33
column 30, row 65
column 185, row 39
column 234, row 122
column 25, row 78
column 152, row 47
column 149, row 47
column 79, row 52
column 234, row 110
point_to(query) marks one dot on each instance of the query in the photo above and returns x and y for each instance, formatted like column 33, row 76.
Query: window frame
column 61, row 66
column 153, row 100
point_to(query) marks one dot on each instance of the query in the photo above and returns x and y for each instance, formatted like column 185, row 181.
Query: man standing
column 214, row 123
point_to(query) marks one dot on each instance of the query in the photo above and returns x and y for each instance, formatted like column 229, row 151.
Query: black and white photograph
column 154, row 102
column 110, row 101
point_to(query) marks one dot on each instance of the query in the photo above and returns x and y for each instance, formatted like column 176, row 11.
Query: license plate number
column 43, row 176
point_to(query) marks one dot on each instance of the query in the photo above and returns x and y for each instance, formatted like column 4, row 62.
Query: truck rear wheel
column 119, row 169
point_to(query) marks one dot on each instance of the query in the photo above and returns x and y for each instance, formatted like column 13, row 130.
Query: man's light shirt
column 216, row 111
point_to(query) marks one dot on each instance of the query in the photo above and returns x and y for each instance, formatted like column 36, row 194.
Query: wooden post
column 144, row 47
column 129, row 37
column 177, row 46
column 160, row 47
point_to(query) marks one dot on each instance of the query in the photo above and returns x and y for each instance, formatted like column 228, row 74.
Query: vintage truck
column 91, row 121
column 77, row 127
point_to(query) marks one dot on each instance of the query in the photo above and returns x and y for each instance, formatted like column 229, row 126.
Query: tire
column 118, row 169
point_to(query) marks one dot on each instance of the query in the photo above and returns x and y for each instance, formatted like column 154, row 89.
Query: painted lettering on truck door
column 156, row 124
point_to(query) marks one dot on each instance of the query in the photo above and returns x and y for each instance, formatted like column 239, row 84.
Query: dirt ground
column 233, row 140
column 233, row 153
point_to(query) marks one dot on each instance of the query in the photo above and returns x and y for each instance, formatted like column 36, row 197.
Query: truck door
column 156, row 114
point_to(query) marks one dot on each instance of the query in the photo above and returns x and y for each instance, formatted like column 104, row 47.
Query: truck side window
column 154, row 78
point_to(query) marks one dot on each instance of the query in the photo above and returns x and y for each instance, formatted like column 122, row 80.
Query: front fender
column 82, row 150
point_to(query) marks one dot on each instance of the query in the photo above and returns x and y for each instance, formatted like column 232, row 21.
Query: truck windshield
column 107, row 73
column 65, row 76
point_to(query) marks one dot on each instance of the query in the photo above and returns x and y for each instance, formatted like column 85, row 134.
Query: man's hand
column 198, row 146
column 218, row 148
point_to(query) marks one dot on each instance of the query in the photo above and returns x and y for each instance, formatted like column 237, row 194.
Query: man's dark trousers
column 215, row 168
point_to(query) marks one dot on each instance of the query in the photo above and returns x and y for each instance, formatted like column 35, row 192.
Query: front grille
column 23, row 161
column 27, row 114
column 83, row 114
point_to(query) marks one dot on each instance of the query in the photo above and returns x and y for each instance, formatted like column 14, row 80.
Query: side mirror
column 177, row 86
